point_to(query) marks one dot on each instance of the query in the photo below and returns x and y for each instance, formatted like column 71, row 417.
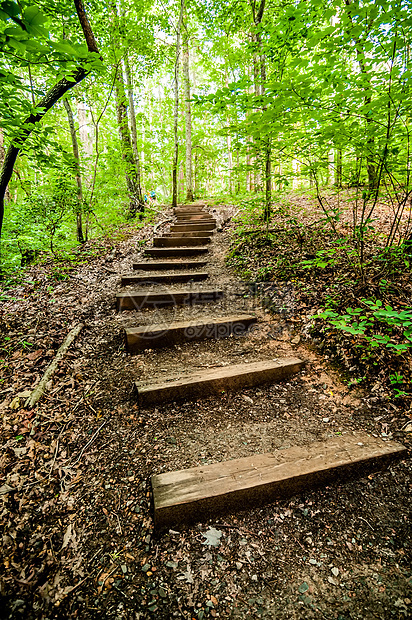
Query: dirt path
column 78, row 537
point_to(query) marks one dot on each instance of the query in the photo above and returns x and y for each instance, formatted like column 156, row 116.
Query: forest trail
column 203, row 492
column 79, row 524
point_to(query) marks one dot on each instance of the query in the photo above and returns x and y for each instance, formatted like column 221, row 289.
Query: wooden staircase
column 200, row 492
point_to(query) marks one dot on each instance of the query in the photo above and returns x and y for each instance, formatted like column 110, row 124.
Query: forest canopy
column 194, row 98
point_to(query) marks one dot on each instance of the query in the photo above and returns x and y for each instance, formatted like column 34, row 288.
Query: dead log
column 39, row 390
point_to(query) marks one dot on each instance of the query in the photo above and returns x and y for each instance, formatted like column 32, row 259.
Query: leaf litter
column 77, row 529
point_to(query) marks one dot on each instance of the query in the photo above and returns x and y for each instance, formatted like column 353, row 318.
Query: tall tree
column 188, row 111
column 260, row 76
column 132, row 171
column 136, row 203
column 75, row 146
column 176, row 105
column 47, row 101
column 132, row 114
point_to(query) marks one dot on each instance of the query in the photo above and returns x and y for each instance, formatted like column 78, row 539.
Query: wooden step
column 139, row 299
column 194, row 217
column 150, row 336
column 198, row 493
column 189, row 210
column 216, row 380
column 193, row 226
column 164, row 278
column 182, row 251
column 190, row 206
column 190, row 233
column 167, row 242
column 157, row 265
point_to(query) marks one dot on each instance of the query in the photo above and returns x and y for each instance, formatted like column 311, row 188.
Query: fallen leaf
column 212, row 537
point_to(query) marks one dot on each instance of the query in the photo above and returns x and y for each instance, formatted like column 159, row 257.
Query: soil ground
column 77, row 527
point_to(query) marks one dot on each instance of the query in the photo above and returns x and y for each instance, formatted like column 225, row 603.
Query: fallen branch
column 38, row 391
column 167, row 220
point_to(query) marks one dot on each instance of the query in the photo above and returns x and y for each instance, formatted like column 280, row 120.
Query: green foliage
column 376, row 325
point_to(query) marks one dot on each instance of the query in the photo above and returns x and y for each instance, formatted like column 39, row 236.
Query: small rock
column 325, row 419
column 247, row 399
column 335, row 571
column 239, row 565
column 295, row 340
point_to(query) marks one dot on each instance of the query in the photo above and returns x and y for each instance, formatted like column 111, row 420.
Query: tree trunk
column 188, row 113
column 339, row 168
column 133, row 127
column 371, row 165
column 133, row 188
column 43, row 106
column 257, row 13
column 257, row 92
column 237, row 171
column 229, row 161
column 268, row 150
column 176, row 106
column 2, row 157
column 79, row 224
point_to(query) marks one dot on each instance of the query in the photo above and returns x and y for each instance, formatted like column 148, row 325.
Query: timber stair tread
column 169, row 334
column 158, row 265
column 194, row 217
column 161, row 242
column 206, row 382
column 164, row 278
column 139, row 299
column 176, row 251
column 193, row 226
column 189, row 233
column 201, row 492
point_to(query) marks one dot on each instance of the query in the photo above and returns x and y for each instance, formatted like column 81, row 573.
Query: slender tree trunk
column 229, row 161
column 238, row 171
column 268, row 152
column 339, row 168
column 133, row 188
column 176, row 106
column 371, row 164
column 86, row 137
column 79, row 224
column 195, row 176
column 133, row 127
column 188, row 112
column 43, row 106
column 2, row 157
column 257, row 13
column 257, row 142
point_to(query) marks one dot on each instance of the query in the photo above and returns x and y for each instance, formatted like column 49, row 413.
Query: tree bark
column 371, row 165
column 75, row 145
column 133, row 127
column 176, row 106
column 2, row 157
column 133, row 188
column 339, row 168
column 188, row 114
column 43, row 106
column 257, row 13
